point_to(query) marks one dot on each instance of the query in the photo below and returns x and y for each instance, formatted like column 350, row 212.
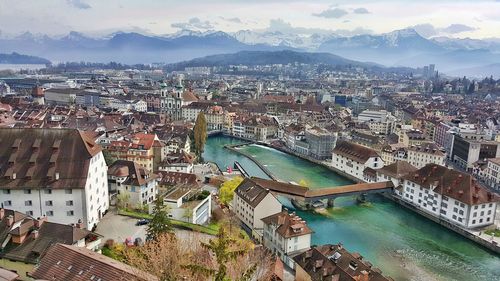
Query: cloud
column 361, row 11
column 428, row 30
column 193, row 23
column 285, row 27
column 457, row 28
column 332, row 13
column 353, row 32
column 234, row 20
column 79, row 4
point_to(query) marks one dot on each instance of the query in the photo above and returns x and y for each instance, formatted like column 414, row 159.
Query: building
column 353, row 159
column 426, row 153
column 251, row 203
column 451, row 196
column 379, row 122
column 66, row 262
column 190, row 204
column 134, row 181
column 285, row 234
column 465, row 151
column 140, row 148
column 395, row 173
column 321, row 142
column 59, row 173
column 334, row 262
column 24, row 240
column 492, row 173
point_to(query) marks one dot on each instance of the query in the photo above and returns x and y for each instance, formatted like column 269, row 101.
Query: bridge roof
column 348, row 189
column 297, row 190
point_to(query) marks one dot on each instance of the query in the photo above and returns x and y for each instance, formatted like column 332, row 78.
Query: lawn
column 493, row 232
column 211, row 229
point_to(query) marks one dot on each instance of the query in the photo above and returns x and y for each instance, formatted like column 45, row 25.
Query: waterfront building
column 66, row 262
column 352, row 159
column 492, row 173
column 450, row 195
column 191, row 111
column 24, row 239
column 394, row 172
column 134, row 181
column 321, row 142
column 215, row 117
column 59, row 173
column 426, row 153
column 285, row 235
column 253, row 202
column 334, row 262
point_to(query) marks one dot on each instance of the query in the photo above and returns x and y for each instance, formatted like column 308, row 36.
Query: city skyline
column 460, row 19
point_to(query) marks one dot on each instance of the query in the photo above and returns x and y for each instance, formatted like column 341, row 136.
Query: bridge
column 308, row 196
column 238, row 167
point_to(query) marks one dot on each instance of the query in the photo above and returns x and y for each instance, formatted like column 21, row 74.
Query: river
column 402, row 244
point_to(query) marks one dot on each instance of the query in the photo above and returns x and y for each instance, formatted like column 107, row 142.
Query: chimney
column 38, row 222
column 2, row 213
column 79, row 224
column 10, row 220
column 35, row 234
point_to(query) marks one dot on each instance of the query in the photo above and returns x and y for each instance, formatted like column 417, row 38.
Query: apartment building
column 285, row 234
column 492, row 173
column 450, row 195
column 138, row 183
column 426, row 153
column 251, row 203
column 353, row 159
column 58, row 173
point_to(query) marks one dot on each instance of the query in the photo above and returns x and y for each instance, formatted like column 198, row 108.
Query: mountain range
column 403, row 47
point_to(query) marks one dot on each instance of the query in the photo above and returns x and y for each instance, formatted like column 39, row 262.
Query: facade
column 321, row 142
column 138, row 183
column 492, row 173
column 24, row 239
column 139, row 148
column 185, row 205
column 58, row 173
column 451, row 196
column 353, row 159
column 285, row 234
column 426, row 153
column 466, row 151
column 252, row 203
column 379, row 122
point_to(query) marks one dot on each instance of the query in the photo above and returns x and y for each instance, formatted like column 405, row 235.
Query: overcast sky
column 476, row 19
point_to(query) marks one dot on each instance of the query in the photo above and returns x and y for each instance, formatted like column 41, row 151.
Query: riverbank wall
column 247, row 155
column 471, row 236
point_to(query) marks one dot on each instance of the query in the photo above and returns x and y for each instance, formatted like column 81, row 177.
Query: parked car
column 142, row 222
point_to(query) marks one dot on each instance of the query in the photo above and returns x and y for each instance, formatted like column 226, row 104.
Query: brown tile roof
column 177, row 178
column 135, row 173
column 429, row 147
column 397, row 169
column 334, row 262
column 31, row 158
column 354, row 151
column 288, row 225
column 454, row 184
column 251, row 192
column 63, row 262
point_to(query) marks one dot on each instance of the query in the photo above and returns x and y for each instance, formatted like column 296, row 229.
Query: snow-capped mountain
column 277, row 38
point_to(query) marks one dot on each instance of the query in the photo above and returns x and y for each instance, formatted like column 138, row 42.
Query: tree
column 200, row 134
column 227, row 250
column 226, row 191
column 303, row 183
column 160, row 223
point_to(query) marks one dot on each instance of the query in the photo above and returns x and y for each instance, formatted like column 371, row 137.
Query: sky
column 474, row 19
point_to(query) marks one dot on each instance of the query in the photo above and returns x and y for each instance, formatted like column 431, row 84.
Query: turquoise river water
column 402, row 244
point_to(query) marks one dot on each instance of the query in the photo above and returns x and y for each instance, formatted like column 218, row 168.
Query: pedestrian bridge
column 307, row 195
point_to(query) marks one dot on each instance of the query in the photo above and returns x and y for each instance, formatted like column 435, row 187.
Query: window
column 6, row 191
column 28, row 203
column 49, row 203
column 48, row 191
column 27, row 191
column 68, row 191
column 7, row 203
column 69, row 203
column 70, row 213
column 29, row 213
column 49, row 213
column 473, row 221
